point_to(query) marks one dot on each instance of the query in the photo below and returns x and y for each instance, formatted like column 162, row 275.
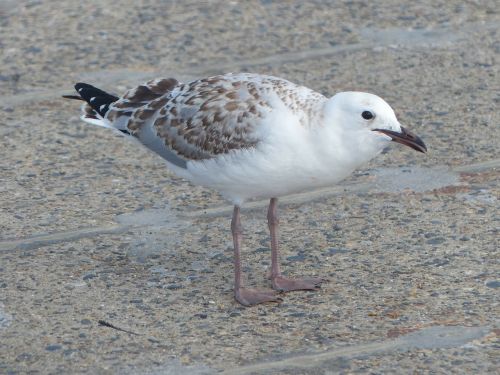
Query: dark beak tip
column 419, row 142
column 406, row 138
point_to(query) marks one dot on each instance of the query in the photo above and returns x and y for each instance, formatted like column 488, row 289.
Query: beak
column 406, row 138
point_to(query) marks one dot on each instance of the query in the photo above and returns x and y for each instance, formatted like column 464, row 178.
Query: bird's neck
column 338, row 151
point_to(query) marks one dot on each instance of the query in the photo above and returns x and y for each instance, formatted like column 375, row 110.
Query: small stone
column 493, row 284
column 297, row 314
column 33, row 49
column 262, row 250
column 53, row 347
column 335, row 250
column 174, row 286
column 436, row 241
column 297, row 258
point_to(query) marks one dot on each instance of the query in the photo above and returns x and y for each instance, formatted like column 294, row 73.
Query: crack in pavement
column 436, row 337
column 371, row 38
column 165, row 218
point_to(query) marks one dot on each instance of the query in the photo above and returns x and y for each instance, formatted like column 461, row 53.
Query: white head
column 371, row 119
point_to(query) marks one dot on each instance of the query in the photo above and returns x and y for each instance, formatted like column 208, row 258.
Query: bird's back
column 207, row 117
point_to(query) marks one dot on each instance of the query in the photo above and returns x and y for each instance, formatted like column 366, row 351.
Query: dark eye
column 367, row 115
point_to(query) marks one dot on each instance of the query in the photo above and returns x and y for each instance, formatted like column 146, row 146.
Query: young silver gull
column 251, row 136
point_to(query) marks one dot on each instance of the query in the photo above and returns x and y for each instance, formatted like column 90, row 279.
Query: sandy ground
column 94, row 228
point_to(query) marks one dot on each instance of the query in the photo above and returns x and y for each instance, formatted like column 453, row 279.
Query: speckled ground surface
column 93, row 228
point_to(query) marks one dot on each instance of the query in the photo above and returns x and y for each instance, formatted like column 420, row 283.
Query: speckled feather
column 211, row 116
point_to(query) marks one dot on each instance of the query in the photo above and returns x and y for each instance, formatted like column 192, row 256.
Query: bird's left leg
column 245, row 296
column 280, row 282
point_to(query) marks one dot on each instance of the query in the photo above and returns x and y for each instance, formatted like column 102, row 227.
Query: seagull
column 251, row 136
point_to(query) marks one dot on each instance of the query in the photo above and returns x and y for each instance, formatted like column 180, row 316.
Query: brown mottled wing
column 207, row 117
column 139, row 103
column 211, row 116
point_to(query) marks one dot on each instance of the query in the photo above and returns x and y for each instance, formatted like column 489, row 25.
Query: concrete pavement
column 93, row 228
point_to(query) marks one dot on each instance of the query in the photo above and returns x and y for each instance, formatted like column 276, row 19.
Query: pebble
column 53, row 347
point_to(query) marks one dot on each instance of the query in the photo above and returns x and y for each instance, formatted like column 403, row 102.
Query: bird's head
column 372, row 119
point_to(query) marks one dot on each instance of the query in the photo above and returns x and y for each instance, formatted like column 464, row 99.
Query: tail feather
column 97, row 99
column 96, row 105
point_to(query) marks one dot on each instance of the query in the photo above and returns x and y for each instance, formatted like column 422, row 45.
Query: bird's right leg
column 245, row 296
column 280, row 282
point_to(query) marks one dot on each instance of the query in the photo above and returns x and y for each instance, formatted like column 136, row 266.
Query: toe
column 284, row 284
column 252, row 297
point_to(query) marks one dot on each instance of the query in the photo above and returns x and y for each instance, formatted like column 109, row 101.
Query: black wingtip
column 82, row 88
column 99, row 100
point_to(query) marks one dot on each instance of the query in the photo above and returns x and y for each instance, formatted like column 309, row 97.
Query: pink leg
column 245, row 296
column 280, row 282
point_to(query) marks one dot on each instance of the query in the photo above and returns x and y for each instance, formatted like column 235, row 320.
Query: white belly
column 286, row 163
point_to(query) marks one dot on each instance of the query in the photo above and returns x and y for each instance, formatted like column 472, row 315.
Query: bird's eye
column 367, row 115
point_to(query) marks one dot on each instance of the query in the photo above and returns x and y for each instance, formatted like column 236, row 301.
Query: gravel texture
column 93, row 228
